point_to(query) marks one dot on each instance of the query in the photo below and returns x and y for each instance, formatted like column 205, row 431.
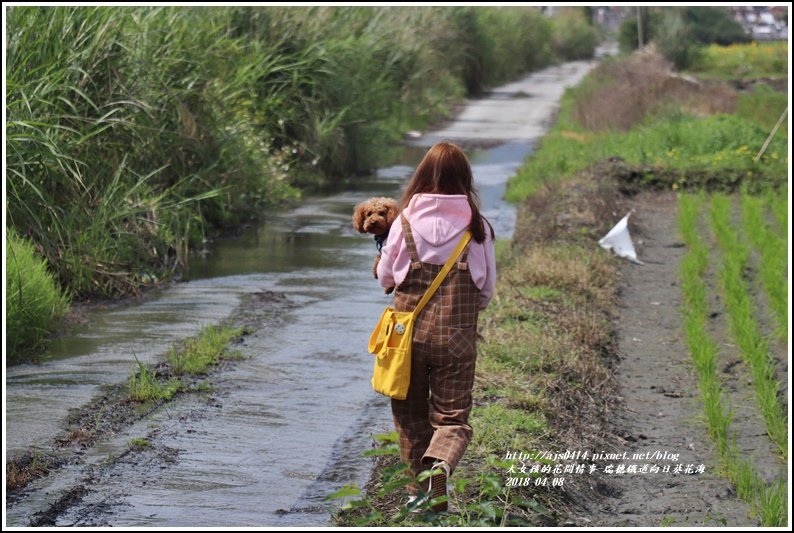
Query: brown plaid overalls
column 432, row 421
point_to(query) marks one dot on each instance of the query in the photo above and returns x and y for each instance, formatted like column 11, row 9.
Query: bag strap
column 443, row 274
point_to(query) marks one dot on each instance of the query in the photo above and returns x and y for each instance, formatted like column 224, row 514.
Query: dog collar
column 380, row 240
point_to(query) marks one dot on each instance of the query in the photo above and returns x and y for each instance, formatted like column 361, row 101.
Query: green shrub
column 574, row 36
column 713, row 25
column 675, row 40
column 33, row 300
column 123, row 141
column 628, row 34
column 512, row 40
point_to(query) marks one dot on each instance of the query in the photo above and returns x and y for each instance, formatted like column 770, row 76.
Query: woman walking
column 439, row 205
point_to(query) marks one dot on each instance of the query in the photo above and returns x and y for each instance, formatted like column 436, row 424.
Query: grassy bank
column 137, row 133
column 680, row 132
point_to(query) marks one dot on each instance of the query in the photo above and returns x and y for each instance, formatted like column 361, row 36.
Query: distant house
column 762, row 22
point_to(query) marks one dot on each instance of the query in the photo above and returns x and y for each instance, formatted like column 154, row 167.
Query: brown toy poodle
column 375, row 216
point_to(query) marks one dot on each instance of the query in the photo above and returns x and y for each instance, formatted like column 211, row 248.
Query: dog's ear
column 393, row 211
column 358, row 217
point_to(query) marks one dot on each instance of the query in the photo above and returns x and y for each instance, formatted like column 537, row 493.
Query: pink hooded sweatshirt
column 437, row 223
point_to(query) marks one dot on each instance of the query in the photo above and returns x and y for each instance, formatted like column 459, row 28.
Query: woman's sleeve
column 388, row 254
column 488, row 288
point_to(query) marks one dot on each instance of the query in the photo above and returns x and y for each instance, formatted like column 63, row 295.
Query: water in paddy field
column 285, row 426
column 294, row 418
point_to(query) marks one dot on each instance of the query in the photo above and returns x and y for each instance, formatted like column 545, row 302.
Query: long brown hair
column 445, row 169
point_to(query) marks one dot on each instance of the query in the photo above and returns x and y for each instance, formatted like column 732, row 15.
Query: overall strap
column 409, row 242
column 464, row 241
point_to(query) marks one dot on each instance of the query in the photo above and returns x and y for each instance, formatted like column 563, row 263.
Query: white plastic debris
column 619, row 241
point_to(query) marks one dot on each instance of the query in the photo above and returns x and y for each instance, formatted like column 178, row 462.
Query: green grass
column 197, row 354
column 667, row 521
column 144, row 386
column 744, row 326
column 773, row 504
column 722, row 144
column 140, row 442
column 193, row 357
column 506, row 428
column 772, row 262
column 777, row 201
column 763, row 106
column 34, row 302
column 542, row 294
column 767, row 502
column 753, row 60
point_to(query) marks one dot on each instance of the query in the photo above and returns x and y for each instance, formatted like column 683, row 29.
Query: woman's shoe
column 438, row 486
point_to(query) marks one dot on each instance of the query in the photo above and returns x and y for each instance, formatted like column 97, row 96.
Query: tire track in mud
column 660, row 408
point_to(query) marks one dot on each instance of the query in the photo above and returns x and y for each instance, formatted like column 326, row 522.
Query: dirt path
column 522, row 109
column 660, row 411
column 518, row 110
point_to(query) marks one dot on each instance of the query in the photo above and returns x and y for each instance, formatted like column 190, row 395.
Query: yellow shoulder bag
column 391, row 340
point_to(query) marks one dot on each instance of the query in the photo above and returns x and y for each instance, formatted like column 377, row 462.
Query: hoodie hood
column 439, row 218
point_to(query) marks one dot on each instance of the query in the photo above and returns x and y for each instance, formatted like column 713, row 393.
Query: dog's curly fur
column 375, row 216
